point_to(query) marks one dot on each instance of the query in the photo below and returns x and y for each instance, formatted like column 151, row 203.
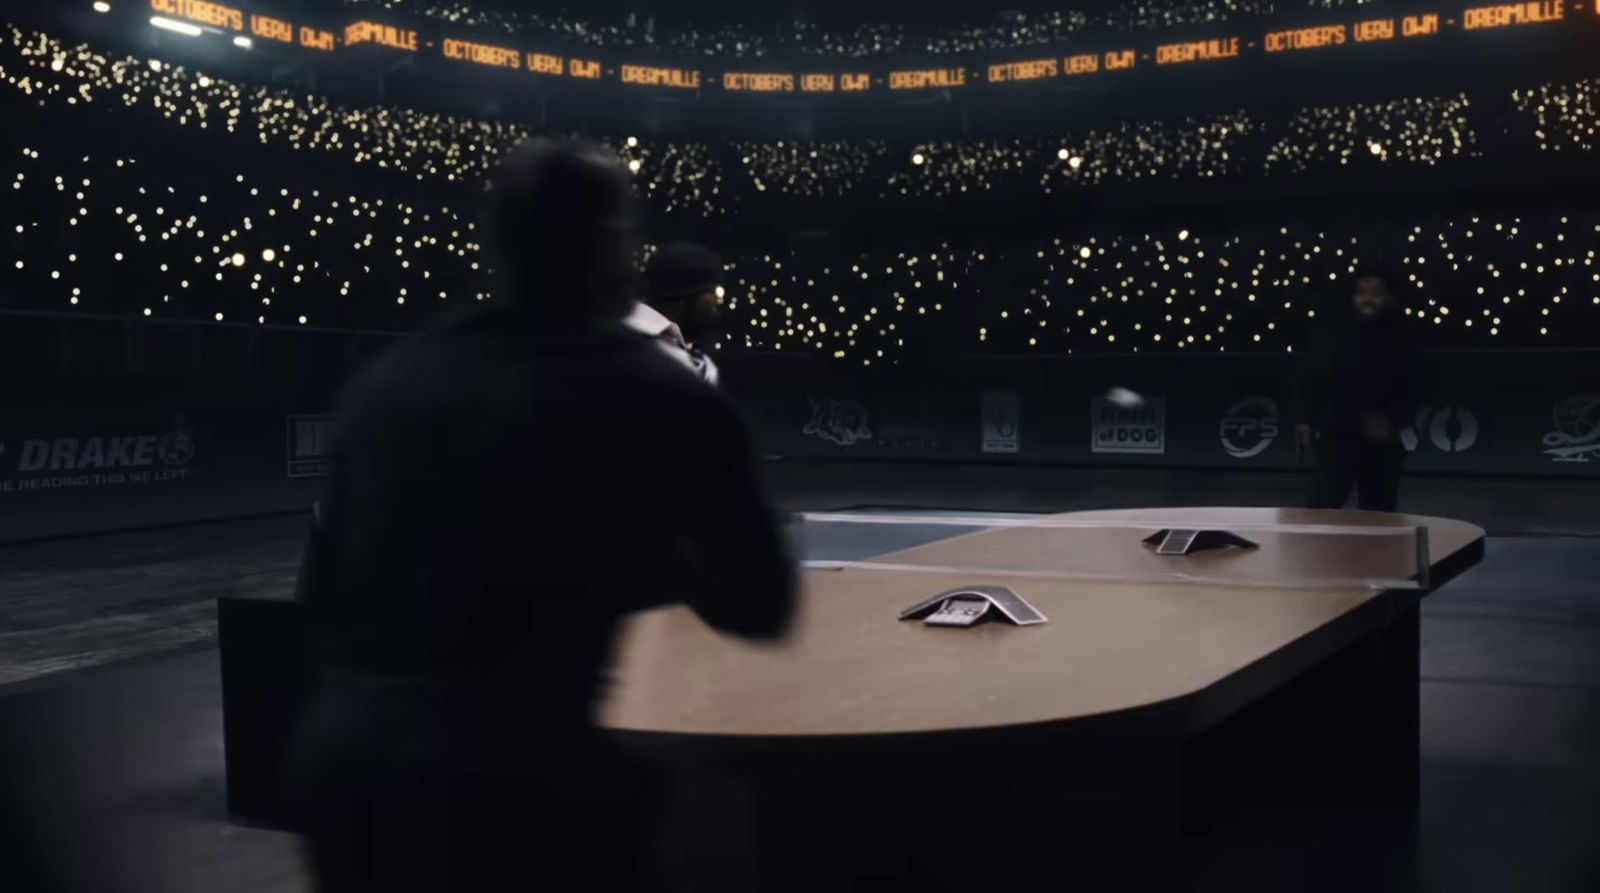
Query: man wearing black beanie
column 684, row 304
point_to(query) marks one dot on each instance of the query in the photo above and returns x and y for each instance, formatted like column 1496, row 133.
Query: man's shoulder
column 478, row 349
column 655, row 371
column 488, row 345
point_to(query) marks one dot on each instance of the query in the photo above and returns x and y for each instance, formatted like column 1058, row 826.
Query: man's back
column 503, row 492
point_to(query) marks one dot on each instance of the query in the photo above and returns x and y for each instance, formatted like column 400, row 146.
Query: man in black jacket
column 1358, row 389
column 504, row 491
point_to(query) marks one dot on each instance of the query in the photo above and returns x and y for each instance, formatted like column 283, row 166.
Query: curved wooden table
column 1071, row 750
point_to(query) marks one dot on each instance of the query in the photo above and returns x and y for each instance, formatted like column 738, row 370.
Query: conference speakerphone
column 1177, row 541
column 972, row 605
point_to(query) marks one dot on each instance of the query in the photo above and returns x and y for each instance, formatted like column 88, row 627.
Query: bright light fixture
column 101, row 6
column 176, row 26
column 243, row 43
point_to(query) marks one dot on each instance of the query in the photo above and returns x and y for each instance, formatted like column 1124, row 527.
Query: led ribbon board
column 974, row 69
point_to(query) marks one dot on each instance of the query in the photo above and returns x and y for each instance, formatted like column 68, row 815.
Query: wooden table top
column 851, row 668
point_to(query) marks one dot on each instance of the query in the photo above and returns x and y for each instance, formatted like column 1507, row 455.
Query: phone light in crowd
column 101, row 6
column 917, row 158
column 243, row 43
column 176, row 26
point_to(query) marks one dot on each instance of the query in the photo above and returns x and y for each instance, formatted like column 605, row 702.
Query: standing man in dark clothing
column 498, row 502
column 1358, row 389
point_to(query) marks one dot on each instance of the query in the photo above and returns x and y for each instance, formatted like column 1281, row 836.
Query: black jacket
column 502, row 493
column 1353, row 369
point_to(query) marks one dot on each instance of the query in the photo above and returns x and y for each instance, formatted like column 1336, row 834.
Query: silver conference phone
column 972, row 605
column 1178, row 541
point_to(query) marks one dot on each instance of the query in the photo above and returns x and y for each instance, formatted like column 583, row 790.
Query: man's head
column 563, row 226
column 685, row 283
column 1373, row 295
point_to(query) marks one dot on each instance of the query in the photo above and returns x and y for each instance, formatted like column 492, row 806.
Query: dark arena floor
column 110, row 663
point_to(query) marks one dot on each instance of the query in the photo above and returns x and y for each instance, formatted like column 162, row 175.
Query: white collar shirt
column 648, row 321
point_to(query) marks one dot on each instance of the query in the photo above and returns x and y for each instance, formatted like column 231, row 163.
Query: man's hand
column 1304, row 437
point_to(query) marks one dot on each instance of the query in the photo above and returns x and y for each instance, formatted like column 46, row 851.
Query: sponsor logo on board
column 1576, row 437
column 1450, row 429
column 1002, row 422
column 1120, row 429
column 310, row 445
column 55, row 463
column 844, row 422
column 1249, row 427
